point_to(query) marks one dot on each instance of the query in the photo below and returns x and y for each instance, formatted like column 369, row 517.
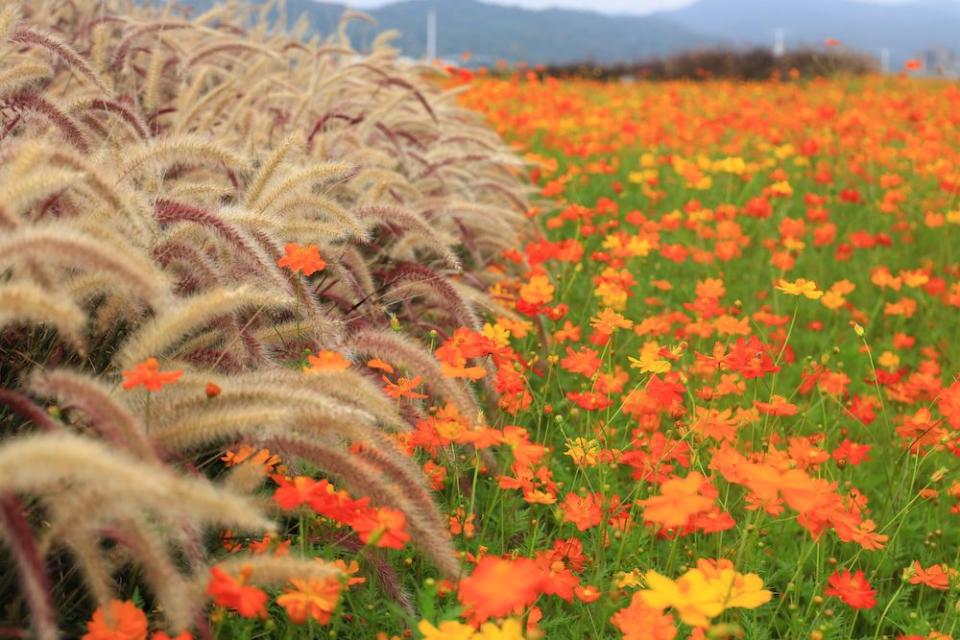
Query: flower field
column 297, row 342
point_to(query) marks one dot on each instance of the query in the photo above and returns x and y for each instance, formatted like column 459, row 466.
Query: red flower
column 387, row 527
column 233, row 593
column 499, row 586
column 852, row 588
column 148, row 374
column 306, row 260
column 122, row 620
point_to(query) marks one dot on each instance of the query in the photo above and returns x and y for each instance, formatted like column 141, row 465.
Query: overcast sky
column 612, row 6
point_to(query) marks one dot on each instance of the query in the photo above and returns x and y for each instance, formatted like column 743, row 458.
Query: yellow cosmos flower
column 449, row 630
column 705, row 592
column 583, row 452
column 800, row 287
column 509, row 630
column 650, row 360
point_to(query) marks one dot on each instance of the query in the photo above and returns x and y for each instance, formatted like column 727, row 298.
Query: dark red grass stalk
column 26, row 409
column 29, row 101
column 33, row 575
column 123, row 49
column 458, row 309
column 128, row 116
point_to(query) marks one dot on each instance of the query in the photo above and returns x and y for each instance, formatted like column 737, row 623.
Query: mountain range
column 492, row 32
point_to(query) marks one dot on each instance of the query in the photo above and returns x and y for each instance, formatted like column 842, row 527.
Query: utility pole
column 885, row 59
column 431, row 34
column 779, row 42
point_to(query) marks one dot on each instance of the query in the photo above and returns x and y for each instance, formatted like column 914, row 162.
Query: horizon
column 613, row 7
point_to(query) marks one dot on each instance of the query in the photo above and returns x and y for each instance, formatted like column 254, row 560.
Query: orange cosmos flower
column 586, row 593
column 314, row 598
column 499, row 586
column 122, row 620
column 607, row 321
column 852, row 588
column 537, row 290
column 384, row 527
column 377, row 363
column 232, row 593
column 403, row 387
column 582, row 511
column 935, row 576
column 778, row 406
column 306, row 260
column 640, row 621
column 585, row 361
column 326, row 361
column 148, row 374
column 679, row 499
column 348, row 570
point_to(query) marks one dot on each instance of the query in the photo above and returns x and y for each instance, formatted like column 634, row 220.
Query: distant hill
column 492, row 32
column 906, row 29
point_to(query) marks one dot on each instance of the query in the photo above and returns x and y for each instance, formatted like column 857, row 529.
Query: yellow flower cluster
column 705, row 591
column 509, row 629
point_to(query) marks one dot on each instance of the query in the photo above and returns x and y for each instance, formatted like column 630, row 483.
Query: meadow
column 297, row 343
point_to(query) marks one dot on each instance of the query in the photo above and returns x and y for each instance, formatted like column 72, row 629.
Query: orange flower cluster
column 381, row 527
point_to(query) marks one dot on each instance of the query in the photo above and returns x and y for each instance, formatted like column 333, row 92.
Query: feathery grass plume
column 220, row 425
column 420, row 280
column 266, row 171
column 231, row 47
column 101, row 181
column 187, row 149
column 105, row 414
column 320, row 174
column 56, row 46
column 168, row 584
column 72, row 528
column 39, row 463
column 10, row 16
column 311, row 205
column 364, row 478
column 167, row 211
column 277, row 570
column 20, row 194
column 17, row 78
column 295, row 403
column 361, row 279
column 223, row 140
column 72, row 249
column 29, row 303
column 173, row 324
column 394, row 347
column 123, row 49
column 150, row 97
column 126, row 114
column 383, row 40
column 357, row 390
column 406, row 220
